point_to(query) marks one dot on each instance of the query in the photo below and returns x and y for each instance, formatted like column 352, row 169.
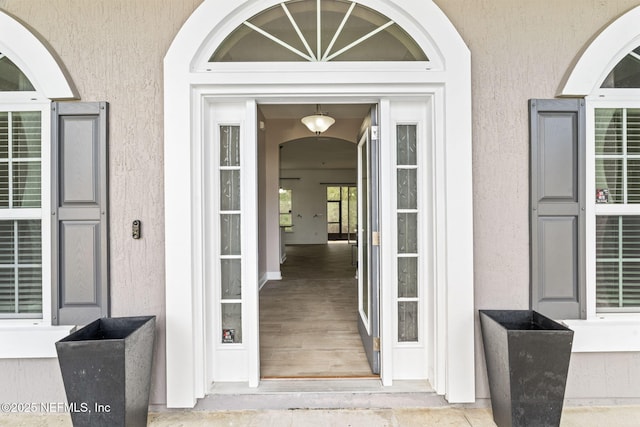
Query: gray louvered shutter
column 557, row 137
column 80, row 274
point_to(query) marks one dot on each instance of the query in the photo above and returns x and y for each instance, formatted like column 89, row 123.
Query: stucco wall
column 113, row 51
column 519, row 50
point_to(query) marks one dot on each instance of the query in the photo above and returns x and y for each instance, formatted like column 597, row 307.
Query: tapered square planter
column 106, row 369
column 527, row 358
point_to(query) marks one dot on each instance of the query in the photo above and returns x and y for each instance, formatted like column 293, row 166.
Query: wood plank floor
column 308, row 320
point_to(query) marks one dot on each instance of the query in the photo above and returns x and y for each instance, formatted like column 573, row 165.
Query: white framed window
column 30, row 77
column 616, row 223
column 613, row 175
column 318, row 31
column 24, row 199
column 607, row 76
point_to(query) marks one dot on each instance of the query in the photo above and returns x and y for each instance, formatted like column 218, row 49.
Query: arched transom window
column 318, row 31
column 11, row 77
column 626, row 74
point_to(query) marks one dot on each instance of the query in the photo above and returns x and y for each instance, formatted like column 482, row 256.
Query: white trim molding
column 606, row 334
column 190, row 80
column 603, row 332
column 33, row 58
column 597, row 61
column 24, row 340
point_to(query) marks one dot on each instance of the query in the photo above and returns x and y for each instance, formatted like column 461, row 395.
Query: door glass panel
column 229, row 145
column 408, row 321
column 232, row 323
column 230, row 190
column 407, row 277
column 406, row 145
column 353, row 212
column 363, row 234
column 407, row 189
column 230, row 234
column 407, row 233
column 230, row 262
column 407, row 222
column 231, row 273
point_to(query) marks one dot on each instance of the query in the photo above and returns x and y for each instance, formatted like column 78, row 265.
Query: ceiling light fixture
column 319, row 122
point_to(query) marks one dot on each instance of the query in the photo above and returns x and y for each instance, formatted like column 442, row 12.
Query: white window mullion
column 625, row 158
column 10, row 157
column 16, row 282
column 620, row 262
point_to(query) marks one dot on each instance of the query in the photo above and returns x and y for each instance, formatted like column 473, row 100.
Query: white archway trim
column 602, row 55
column 33, row 58
column 439, row 42
column 188, row 84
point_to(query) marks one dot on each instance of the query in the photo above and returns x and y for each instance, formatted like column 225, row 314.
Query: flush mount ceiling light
column 318, row 122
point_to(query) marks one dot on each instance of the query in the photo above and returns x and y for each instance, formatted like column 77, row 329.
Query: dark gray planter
column 106, row 369
column 527, row 358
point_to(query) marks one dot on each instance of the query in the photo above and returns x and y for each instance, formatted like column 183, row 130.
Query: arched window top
column 27, row 65
column 318, row 31
column 611, row 61
column 12, row 79
column 626, row 74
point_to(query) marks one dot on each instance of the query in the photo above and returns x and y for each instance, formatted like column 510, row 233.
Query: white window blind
column 20, row 223
column 617, row 198
column 618, row 262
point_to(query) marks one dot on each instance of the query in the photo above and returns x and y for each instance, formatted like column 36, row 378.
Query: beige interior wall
column 113, row 51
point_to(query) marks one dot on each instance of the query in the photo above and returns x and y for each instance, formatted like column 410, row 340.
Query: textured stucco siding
column 113, row 51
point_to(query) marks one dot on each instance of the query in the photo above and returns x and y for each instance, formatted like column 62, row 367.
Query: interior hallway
column 308, row 320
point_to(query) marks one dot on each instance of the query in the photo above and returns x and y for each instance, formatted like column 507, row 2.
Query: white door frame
column 190, row 82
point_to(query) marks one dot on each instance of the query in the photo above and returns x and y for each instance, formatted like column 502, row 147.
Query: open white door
column 368, row 241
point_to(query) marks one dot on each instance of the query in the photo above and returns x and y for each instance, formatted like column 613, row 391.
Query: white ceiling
column 298, row 111
column 316, row 152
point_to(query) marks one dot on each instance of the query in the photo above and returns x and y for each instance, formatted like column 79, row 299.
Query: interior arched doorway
column 211, row 102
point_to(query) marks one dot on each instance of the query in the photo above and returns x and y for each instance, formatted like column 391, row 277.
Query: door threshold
column 321, row 385
column 341, row 393
column 320, row 378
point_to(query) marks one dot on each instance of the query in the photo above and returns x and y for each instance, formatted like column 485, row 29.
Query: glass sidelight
column 407, row 222
column 230, row 258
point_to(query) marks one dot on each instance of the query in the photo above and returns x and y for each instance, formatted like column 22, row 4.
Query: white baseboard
column 269, row 275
